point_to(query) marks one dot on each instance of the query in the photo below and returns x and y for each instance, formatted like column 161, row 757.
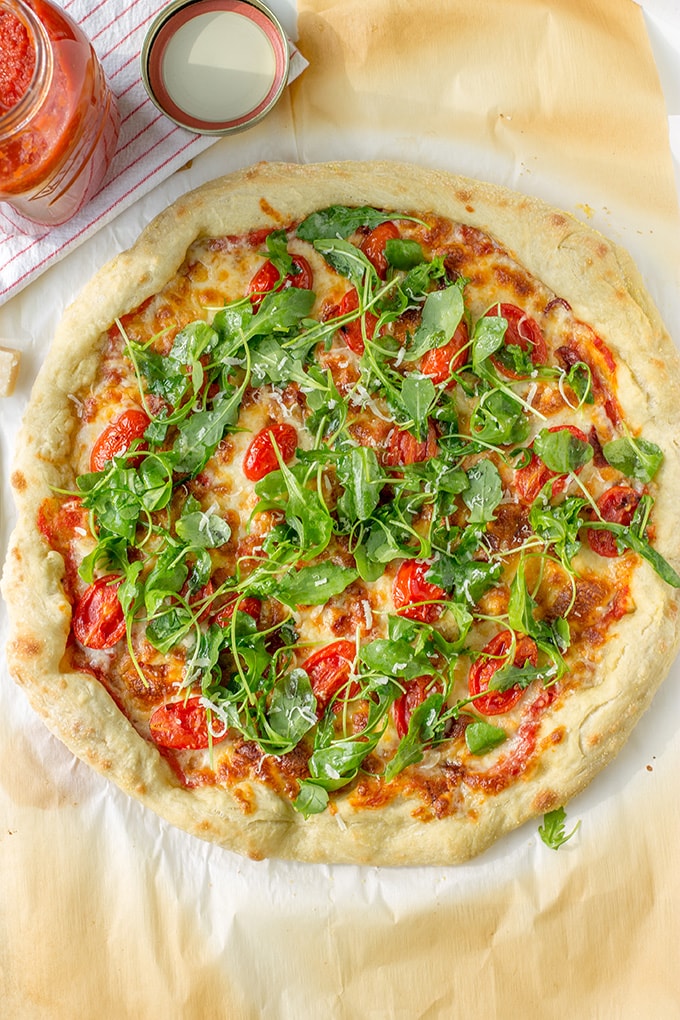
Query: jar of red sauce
column 58, row 118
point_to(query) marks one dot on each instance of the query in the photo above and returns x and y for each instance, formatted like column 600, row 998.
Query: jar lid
column 215, row 66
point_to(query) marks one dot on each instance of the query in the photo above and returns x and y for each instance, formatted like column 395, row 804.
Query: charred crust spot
column 28, row 648
column 546, row 800
column 19, row 482
column 269, row 210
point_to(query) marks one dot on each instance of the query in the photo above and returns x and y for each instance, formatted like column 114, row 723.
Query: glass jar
column 58, row 119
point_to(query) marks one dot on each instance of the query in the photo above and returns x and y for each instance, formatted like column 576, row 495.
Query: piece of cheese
column 9, row 368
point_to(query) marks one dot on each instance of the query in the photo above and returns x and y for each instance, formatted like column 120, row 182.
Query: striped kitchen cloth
column 150, row 146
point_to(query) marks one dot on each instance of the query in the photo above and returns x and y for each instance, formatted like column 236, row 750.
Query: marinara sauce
column 58, row 119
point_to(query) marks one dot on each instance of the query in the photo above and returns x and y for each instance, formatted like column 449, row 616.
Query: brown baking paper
column 106, row 911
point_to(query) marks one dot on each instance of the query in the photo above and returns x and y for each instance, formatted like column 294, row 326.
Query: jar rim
column 15, row 118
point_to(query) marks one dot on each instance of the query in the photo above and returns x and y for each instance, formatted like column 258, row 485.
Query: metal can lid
column 215, row 66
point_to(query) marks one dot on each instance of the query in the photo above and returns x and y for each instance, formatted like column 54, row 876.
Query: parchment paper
column 105, row 911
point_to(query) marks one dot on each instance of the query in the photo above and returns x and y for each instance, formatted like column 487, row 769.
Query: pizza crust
column 603, row 287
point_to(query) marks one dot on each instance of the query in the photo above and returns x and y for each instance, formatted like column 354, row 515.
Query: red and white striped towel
column 150, row 146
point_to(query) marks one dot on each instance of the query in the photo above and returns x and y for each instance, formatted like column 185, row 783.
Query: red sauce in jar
column 58, row 120
column 18, row 60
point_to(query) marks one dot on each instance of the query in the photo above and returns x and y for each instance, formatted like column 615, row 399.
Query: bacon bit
column 510, row 526
column 556, row 302
column 476, row 242
column 598, row 456
column 569, row 356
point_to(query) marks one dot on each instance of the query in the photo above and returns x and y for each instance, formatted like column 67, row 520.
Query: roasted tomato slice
column 530, row 479
column 440, row 362
column 328, row 670
column 494, row 655
column 98, row 620
column 119, row 437
column 410, row 589
column 260, row 457
column 268, row 278
column 404, row 448
column 352, row 331
column 415, row 693
column 617, row 506
column 373, row 246
column 522, row 331
column 183, row 725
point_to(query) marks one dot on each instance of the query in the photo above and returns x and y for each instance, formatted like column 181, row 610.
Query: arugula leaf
column 484, row 491
column 169, row 627
column 579, row 378
column 277, row 251
column 394, row 659
column 340, row 221
column 199, row 434
column 498, row 419
column 363, row 479
column 562, row 451
column 111, row 495
column 418, row 396
column 280, row 312
column 312, row 798
column 202, row 530
column 627, row 537
column 559, row 525
column 346, row 259
column 418, row 280
column 481, row 736
column 272, row 363
column 552, row 830
column 454, row 568
column 487, row 337
column 442, row 313
column 636, row 458
column 328, row 407
column 292, row 710
column 403, row 253
column 423, row 727
column 307, row 515
column 312, row 585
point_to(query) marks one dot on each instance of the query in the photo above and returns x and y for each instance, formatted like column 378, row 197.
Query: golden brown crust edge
column 603, row 287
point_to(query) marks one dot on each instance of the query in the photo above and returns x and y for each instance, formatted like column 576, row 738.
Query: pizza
column 346, row 510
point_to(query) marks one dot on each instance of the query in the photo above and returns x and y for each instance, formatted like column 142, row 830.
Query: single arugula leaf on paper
column 552, row 830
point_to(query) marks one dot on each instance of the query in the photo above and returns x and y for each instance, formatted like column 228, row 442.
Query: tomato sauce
column 58, row 129
column 18, row 60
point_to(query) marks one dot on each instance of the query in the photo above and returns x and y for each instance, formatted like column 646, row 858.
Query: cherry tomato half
column 249, row 605
column 260, row 457
column 268, row 278
column 328, row 670
column 98, row 620
column 404, row 448
column 530, row 479
column 494, row 655
column 617, row 506
column 183, row 725
column 415, row 693
column 118, row 437
column 410, row 588
column 523, row 332
column 373, row 246
column 440, row 362
column 352, row 332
